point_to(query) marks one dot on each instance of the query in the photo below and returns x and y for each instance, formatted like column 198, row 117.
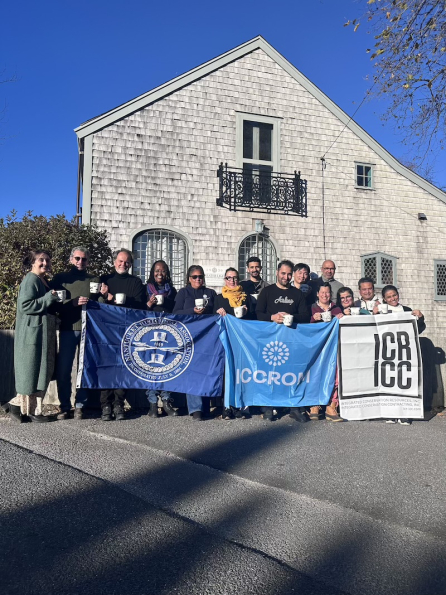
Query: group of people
column 294, row 298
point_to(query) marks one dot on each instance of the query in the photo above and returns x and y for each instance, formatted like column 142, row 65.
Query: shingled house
column 224, row 162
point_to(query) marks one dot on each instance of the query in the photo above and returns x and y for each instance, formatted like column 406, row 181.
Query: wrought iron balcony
column 262, row 192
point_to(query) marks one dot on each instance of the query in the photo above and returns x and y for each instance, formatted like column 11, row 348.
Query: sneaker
column 119, row 412
column 299, row 416
column 153, row 410
column 78, row 413
column 197, row 416
column 391, row 421
column 404, row 422
column 167, row 406
column 268, row 413
column 106, row 413
column 63, row 415
column 238, row 414
column 227, row 413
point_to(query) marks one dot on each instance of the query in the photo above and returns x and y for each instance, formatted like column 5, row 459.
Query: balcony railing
column 262, row 192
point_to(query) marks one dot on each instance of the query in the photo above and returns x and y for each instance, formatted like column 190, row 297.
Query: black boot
column 106, row 413
column 153, row 411
column 167, row 406
column 119, row 412
column 15, row 413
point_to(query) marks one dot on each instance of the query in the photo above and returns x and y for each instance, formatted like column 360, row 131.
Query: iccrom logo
column 261, row 377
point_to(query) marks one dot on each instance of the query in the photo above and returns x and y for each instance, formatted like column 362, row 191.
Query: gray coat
column 34, row 337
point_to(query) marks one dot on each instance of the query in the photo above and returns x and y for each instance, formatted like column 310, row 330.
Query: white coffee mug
column 370, row 305
column 120, row 298
column 61, row 295
column 95, row 287
column 199, row 303
column 326, row 316
column 288, row 319
column 354, row 311
column 159, row 299
column 239, row 311
column 383, row 308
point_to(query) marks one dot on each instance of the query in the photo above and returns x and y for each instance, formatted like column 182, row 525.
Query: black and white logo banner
column 380, row 372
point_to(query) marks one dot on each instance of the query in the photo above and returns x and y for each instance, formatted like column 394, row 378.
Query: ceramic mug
column 288, row 319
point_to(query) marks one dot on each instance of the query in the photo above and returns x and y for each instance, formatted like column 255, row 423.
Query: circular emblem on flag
column 157, row 349
column 276, row 353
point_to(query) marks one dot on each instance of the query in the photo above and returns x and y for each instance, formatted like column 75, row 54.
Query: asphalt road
column 174, row 506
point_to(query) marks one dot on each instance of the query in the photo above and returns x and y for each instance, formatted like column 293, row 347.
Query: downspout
column 80, row 168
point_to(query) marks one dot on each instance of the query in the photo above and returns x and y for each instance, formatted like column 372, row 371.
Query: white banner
column 380, row 368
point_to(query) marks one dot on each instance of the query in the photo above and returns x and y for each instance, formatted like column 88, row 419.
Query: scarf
column 155, row 289
column 235, row 295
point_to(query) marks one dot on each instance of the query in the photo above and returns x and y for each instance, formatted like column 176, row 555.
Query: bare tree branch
column 409, row 56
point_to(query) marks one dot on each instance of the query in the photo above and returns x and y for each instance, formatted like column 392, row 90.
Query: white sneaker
column 404, row 422
column 391, row 421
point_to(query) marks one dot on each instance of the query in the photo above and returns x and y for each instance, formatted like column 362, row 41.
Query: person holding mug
column 161, row 294
column 120, row 288
column 346, row 302
column 195, row 299
column 235, row 302
column 324, row 309
column 160, row 290
column 34, row 340
column 79, row 286
column 390, row 296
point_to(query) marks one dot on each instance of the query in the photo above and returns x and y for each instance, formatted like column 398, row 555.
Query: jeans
column 152, row 395
column 194, row 403
column 113, row 396
column 68, row 343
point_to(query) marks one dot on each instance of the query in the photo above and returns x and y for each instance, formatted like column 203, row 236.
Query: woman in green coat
column 34, row 341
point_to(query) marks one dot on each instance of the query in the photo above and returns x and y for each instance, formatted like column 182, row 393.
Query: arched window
column 258, row 244
column 161, row 244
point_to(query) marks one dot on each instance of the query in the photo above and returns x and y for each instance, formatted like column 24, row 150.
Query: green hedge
column 56, row 234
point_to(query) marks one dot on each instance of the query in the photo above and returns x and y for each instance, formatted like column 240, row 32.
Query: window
column 161, row 244
column 364, row 175
column 440, row 279
column 258, row 142
column 257, row 154
column 258, row 244
column 380, row 267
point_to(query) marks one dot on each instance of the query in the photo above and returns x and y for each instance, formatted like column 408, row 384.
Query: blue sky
column 75, row 60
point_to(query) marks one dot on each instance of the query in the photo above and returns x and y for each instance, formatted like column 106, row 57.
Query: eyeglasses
column 347, row 297
column 329, row 268
column 231, row 278
column 197, row 276
column 83, row 258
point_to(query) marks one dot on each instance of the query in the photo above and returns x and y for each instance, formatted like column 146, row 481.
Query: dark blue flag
column 126, row 348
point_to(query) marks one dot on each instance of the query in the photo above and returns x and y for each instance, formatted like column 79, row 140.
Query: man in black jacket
column 274, row 303
column 120, row 281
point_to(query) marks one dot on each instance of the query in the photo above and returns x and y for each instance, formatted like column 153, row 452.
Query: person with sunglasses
column 234, row 296
column 76, row 283
column 185, row 303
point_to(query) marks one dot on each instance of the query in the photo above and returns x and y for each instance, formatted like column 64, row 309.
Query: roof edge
column 122, row 111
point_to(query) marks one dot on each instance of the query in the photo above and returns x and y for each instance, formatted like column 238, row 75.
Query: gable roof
column 118, row 113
